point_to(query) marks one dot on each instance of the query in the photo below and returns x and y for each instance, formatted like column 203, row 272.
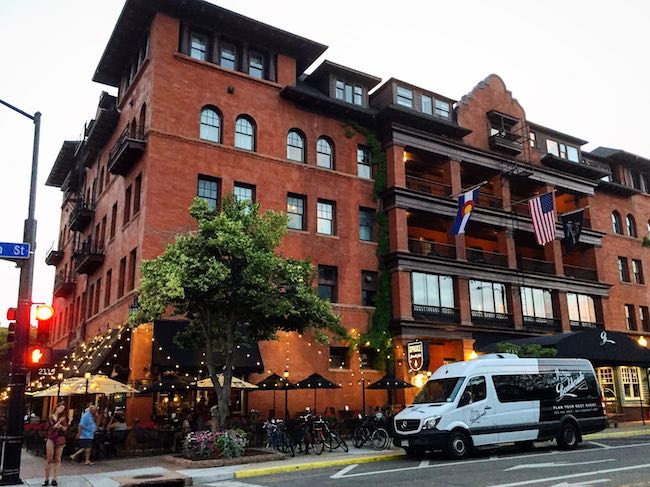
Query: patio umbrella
column 97, row 384
column 235, row 383
column 389, row 383
column 274, row 383
column 316, row 381
column 170, row 383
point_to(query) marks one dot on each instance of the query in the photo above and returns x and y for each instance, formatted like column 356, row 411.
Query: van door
column 475, row 409
column 517, row 407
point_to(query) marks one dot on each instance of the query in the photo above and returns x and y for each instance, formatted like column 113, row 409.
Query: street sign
column 9, row 250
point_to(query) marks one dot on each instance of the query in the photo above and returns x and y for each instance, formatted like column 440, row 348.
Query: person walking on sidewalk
column 87, row 427
column 57, row 425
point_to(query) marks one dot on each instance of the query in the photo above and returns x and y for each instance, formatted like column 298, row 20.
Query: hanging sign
column 417, row 354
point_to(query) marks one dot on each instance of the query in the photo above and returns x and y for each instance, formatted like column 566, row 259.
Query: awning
column 167, row 354
column 600, row 347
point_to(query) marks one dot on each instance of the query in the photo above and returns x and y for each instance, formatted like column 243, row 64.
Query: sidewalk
column 112, row 473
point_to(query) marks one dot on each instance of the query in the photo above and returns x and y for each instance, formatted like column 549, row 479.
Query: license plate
column 404, row 442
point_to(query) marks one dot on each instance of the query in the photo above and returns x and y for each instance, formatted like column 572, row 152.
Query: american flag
column 542, row 211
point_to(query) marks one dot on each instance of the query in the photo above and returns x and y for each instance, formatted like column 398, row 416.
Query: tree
column 527, row 350
column 227, row 281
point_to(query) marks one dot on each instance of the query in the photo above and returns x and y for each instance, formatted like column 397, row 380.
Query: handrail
column 431, row 248
column 428, row 186
column 484, row 257
column 586, row 273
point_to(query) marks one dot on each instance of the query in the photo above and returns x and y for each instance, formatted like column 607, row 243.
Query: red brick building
column 212, row 103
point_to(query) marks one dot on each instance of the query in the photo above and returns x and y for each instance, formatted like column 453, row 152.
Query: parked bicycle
column 328, row 436
column 277, row 436
column 371, row 431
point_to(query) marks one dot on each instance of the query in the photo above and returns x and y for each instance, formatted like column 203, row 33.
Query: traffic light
column 11, row 317
column 44, row 315
column 38, row 356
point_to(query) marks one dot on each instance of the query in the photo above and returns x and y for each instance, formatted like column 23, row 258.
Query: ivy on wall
column 378, row 335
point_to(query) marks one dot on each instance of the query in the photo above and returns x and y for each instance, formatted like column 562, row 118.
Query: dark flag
column 572, row 226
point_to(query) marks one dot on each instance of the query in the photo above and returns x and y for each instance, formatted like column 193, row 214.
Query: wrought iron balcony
column 88, row 256
column 64, row 284
column 482, row 257
column 498, row 320
column 586, row 324
column 436, row 313
column 581, row 273
column 431, row 248
column 535, row 265
column 536, row 323
column 506, row 142
column 125, row 153
column 82, row 215
column 428, row 186
column 54, row 256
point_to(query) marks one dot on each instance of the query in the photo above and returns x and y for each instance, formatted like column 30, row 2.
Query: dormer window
column 443, row 109
column 502, row 132
column 404, row 97
column 256, row 65
column 228, row 55
column 199, row 46
column 563, row 151
column 349, row 93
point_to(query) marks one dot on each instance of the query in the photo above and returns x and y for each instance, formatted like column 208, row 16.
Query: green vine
column 378, row 335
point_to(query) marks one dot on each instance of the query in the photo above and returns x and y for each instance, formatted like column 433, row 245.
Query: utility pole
column 12, row 442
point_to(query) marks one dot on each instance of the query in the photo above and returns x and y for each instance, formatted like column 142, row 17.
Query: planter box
column 249, row 456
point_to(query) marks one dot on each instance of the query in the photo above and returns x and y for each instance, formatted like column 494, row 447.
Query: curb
column 257, row 472
column 616, row 434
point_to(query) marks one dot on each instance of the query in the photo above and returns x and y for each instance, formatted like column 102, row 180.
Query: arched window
column 244, row 133
column 143, row 117
column 631, row 225
column 325, row 153
column 295, row 146
column 210, row 124
column 133, row 129
column 617, row 227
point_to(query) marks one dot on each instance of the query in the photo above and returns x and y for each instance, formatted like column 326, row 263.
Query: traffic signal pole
column 13, row 440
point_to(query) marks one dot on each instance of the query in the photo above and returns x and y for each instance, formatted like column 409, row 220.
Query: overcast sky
column 580, row 67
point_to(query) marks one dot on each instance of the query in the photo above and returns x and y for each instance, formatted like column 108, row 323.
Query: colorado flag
column 466, row 203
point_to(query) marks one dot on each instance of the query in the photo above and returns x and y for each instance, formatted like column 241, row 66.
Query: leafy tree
column 228, row 282
column 527, row 350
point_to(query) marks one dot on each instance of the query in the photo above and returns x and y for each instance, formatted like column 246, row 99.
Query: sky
column 579, row 66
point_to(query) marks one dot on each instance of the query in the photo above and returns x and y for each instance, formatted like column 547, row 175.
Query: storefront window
column 433, row 290
column 630, row 381
column 606, row 381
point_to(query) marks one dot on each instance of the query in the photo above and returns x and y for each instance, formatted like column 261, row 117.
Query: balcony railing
column 435, row 313
column 431, row 248
column 536, row 323
column 428, row 186
column 88, row 256
column 482, row 257
column 586, row 324
column 125, row 153
column 64, row 284
column 492, row 318
column 82, row 214
column 506, row 142
column 53, row 256
column 489, row 201
column 581, row 273
column 535, row 265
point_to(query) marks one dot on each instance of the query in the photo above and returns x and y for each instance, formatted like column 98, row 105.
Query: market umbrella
column 96, row 384
column 389, row 383
column 274, row 383
column 170, row 383
column 235, row 383
column 316, row 381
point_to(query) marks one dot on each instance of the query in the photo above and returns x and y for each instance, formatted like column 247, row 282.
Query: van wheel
column 458, row 446
column 524, row 445
column 414, row 451
column 567, row 439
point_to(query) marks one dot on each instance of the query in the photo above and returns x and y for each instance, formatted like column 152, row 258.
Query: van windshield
column 439, row 390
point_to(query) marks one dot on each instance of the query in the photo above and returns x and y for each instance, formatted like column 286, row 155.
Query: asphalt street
column 607, row 463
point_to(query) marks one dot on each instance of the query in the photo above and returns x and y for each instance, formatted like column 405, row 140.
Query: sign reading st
column 9, row 250
column 417, row 354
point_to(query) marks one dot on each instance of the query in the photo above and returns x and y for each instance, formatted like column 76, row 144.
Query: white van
column 500, row 398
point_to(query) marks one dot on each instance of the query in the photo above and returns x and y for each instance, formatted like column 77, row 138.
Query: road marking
column 231, row 483
column 424, row 464
column 555, row 464
column 601, row 445
column 582, row 484
column 575, row 476
column 342, row 473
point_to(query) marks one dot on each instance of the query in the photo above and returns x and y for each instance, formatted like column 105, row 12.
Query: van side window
column 548, row 386
column 474, row 391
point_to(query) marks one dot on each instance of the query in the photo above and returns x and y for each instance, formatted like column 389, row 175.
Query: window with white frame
column 404, row 97
column 630, row 382
column 244, row 133
column 325, row 217
column 324, row 153
column 364, row 164
column 296, row 205
column 199, row 46
column 295, row 146
column 606, row 381
column 210, row 125
column 427, row 105
column 443, row 109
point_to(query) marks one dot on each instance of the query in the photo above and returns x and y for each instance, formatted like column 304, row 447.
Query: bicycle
column 371, row 431
column 330, row 438
column 277, row 437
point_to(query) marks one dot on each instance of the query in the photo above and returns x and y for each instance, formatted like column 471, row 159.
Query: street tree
column 228, row 281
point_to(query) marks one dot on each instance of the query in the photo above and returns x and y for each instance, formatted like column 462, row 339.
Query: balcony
column 581, row 273
column 64, row 284
column 538, row 324
column 82, row 215
column 428, row 186
column 535, row 266
column 88, row 256
column 125, row 153
column 478, row 256
column 584, row 168
column 492, row 318
column 506, row 142
column 431, row 248
column 54, row 256
column 586, row 325
column 489, row 201
column 437, row 314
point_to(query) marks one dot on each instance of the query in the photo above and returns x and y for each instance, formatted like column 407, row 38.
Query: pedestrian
column 87, row 427
column 57, row 425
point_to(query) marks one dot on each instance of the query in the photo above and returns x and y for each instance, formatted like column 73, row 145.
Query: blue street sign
column 9, row 250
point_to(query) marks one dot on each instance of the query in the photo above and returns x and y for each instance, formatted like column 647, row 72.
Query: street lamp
column 13, row 440
column 59, row 377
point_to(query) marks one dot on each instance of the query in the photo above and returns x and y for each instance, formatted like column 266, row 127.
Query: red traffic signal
column 11, row 314
column 39, row 356
column 44, row 315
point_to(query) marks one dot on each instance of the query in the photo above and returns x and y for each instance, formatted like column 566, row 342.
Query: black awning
column 598, row 346
column 167, row 354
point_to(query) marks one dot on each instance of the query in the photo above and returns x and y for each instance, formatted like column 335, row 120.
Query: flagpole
column 526, row 200
column 574, row 211
column 454, row 195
